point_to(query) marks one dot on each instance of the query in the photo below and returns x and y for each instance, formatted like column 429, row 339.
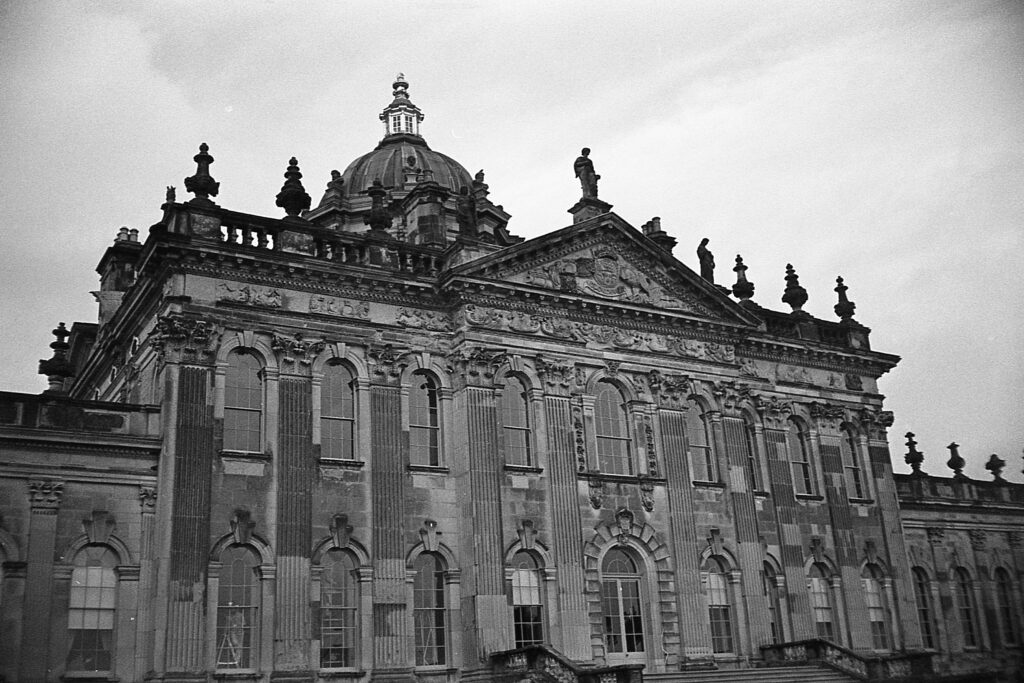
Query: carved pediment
column 611, row 262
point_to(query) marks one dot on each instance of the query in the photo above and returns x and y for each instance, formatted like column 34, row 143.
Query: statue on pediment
column 584, row 169
column 707, row 261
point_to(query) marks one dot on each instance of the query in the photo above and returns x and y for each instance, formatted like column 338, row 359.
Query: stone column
column 44, row 499
column 147, row 574
column 11, row 617
column 565, row 458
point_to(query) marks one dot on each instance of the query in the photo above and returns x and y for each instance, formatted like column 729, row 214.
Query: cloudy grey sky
column 880, row 141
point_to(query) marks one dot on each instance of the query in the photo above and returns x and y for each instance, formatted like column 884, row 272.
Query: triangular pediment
column 605, row 259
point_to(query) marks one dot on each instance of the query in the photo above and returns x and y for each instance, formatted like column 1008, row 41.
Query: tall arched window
column 621, row 604
column 964, row 592
column 338, row 610
column 799, row 458
column 243, row 403
column 337, row 413
column 1005, row 603
column 719, row 606
column 430, row 617
column 424, row 421
column 515, row 421
column 611, row 424
column 771, row 596
column 702, row 456
column 871, row 578
column 923, row 598
column 819, row 585
column 850, row 451
column 91, row 607
column 527, row 605
column 238, row 606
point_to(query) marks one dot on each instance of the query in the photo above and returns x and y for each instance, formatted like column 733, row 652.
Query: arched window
column 621, row 606
column 91, row 607
column 799, row 458
column 430, row 617
column 850, row 451
column 771, row 596
column 527, row 606
column 1005, row 603
column 871, row 578
column 238, row 606
column 337, row 413
column 964, row 592
column 612, row 427
column 243, row 403
column 719, row 606
column 424, row 421
column 753, row 467
column 819, row 586
column 515, row 421
column 923, row 598
column 702, row 456
column 338, row 611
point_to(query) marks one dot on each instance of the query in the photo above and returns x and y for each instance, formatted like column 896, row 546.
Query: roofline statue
column 584, row 168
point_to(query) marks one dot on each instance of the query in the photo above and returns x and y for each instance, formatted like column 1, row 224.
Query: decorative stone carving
column 871, row 550
column 242, row 525
column 827, row 414
column 147, row 498
column 1015, row 539
column 177, row 338
column 647, row 494
column 523, row 322
column 426, row 320
column 876, row 421
column 749, row 368
column 731, row 396
column 99, row 526
column 817, row 549
column 936, row 535
column 978, row 537
column 385, row 360
column 296, row 349
column 581, row 444
column 344, row 308
column 853, row 382
column 624, row 520
column 715, row 541
column 596, row 492
column 45, row 494
column 475, row 364
column 527, row 534
column 652, row 454
column 556, row 375
column 793, row 375
column 252, row 295
column 670, row 391
column 430, row 536
column 341, row 530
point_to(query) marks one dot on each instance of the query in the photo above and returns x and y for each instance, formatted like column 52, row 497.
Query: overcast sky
column 883, row 142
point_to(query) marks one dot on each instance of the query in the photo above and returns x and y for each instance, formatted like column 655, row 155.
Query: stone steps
column 774, row 674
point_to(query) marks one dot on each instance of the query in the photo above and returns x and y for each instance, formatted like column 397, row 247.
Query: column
column 147, row 574
column 44, row 499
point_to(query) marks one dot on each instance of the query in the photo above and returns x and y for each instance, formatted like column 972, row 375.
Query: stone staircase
column 774, row 674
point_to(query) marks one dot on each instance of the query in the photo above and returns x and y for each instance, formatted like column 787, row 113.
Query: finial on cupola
column 293, row 198
column 955, row 462
column 57, row 368
column 795, row 295
column 744, row 288
column 914, row 457
column 202, row 184
column 995, row 465
column 844, row 309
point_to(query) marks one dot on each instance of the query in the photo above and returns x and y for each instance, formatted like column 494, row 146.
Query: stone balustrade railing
column 548, row 664
column 896, row 667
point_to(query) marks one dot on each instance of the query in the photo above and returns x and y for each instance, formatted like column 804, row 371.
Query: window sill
column 810, row 496
column 240, row 675
column 245, row 455
column 342, row 463
column 523, row 469
column 763, row 494
column 862, row 501
column 708, row 484
column 623, row 478
column 428, row 469
column 338, row 674
column 89, row 676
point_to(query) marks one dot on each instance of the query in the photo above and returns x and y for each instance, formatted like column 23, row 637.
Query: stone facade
column 384, row 439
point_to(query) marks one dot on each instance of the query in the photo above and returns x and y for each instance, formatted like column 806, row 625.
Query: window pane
column 701, row 456
column 338, row 632
column 237, row 609
column 424, row 425
column 922, row 595
column 612, row 429
column 429, row 613
column 91, row 602
column 515, row 415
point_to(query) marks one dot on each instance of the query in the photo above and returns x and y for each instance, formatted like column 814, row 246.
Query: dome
column 398, row 155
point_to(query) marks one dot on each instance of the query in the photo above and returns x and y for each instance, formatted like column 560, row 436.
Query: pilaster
column 44, row 501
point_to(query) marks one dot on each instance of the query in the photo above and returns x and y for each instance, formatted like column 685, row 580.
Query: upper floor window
column 430, row 614
column 1005, row 603
column 923, row 598
column 424, row 421
column 337, row 413
column 719, row 606
column 621, row 604
column 243, row 403
column 396, row 123
column 527, row 605
column 238, row 606
column 611, row 424
column 339, row 632
column 799, row 458
column 963, row 589
column 515, row 420
column 698, row 438
column 850, row 451
column 91, row 606
column 874, row 595
column 819, row 586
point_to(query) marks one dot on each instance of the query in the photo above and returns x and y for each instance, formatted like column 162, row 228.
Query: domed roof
column 398, row 154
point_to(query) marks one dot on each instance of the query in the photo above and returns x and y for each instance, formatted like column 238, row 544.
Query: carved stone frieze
column 853, row 382
column 176, row 338
column 827, row 414
column 978, row 538
column 936, row 535
column 792, row 374
column 252, row 295
column 424, row 320
column 731, row 396
column 386, row 362
column 45, row 494
column 749, row 368
column 652, row 453
column 345, row 308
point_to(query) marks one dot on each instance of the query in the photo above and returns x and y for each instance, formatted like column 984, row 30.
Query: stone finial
column 401, row 86
column 202, row 184
column 57, row 368
column 844, row 309
column 378, row 219
column 795, row 295
column 914, row 457
column 293, row 198
column 170, row 196
column 955, row 462
column 995, row 465
column 744, row 288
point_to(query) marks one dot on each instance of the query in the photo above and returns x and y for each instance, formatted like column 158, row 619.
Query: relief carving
column 556, row 375
column 296, row 349
column 341, row 307
column 385, row 360
column 670, row 391
column 252, row 295
column 186, row 339
column 45, row 494
column 647, row 494
column 773, row 410
column 426, row 320
column 731, row 396
column 476, row 364
column 147, row 498
column 596, row 495
column 581, row 444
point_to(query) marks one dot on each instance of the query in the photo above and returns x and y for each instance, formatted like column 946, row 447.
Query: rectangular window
column 821, row 607
column 702, row 457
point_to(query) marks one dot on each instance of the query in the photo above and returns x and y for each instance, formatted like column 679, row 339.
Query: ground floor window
column 527, row 606
column 621, row 606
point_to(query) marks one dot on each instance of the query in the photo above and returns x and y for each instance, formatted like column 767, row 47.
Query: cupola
column 401, row 117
